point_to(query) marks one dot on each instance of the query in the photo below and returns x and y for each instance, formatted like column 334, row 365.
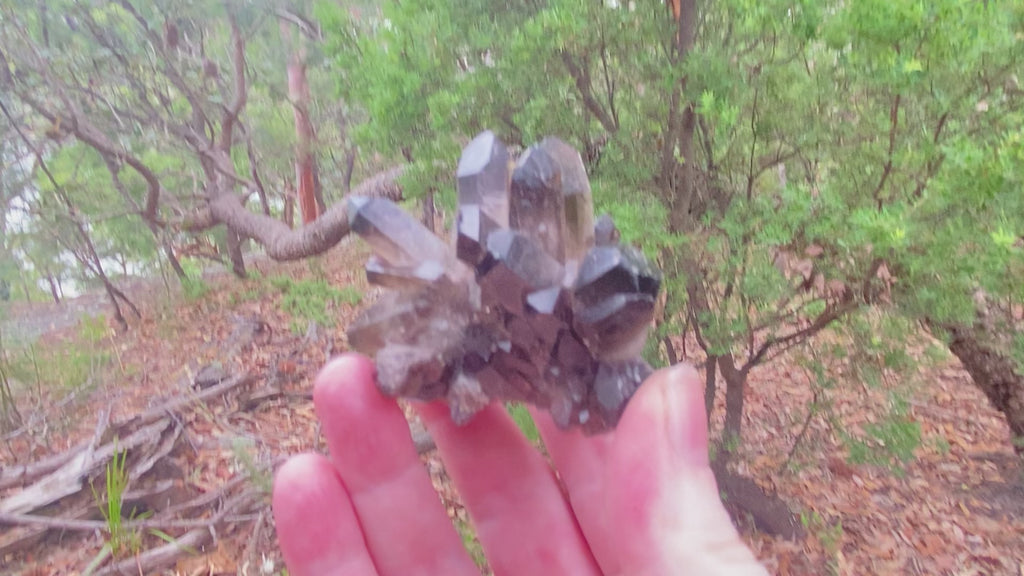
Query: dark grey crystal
column 615, row 269
column 534, row 301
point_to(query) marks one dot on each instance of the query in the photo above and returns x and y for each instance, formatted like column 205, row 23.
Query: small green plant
column 829, row 534
column 521, row 415
column 888, row 443
column 311, row 300
column 120, row 540
column 471, row 543
column 261, row 478
column 194, row 288
column 72, row 364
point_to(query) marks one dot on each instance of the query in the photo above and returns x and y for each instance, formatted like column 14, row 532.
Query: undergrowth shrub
column 312, row 300
column 67, row 364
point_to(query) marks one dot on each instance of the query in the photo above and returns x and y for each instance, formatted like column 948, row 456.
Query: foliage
column 312, row 300
column 471, row 543
column 845, row 155
column 242, row 448
column 889, row 443
column 81, row 361
column 120, row 539
column 194, row 288
column 521, row 416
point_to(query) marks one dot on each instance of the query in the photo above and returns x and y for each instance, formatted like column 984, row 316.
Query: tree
column 788, row 161
column 160, row 93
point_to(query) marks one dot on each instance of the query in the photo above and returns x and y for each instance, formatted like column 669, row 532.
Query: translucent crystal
column 380, row 273
column 578, row 228
column 471, row 398
column 473, row 227
column 536, row 204
column 483, row 177
column 605, row 233
column 396, row 237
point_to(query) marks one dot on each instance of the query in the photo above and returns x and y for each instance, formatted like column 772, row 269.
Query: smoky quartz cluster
column 532, row 301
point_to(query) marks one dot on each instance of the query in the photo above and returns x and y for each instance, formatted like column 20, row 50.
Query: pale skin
column 640, row 500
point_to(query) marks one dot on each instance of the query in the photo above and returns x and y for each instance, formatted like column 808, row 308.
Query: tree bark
column 429, row 210
column 995, row 373
column 736, row 383
column 234, row 246
column 678, row 179
column 112, row 296
column 298, row 94
column 175, row 264
column 710, row 385
column 53, row 287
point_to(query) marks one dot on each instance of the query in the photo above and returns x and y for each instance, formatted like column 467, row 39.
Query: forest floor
column 956, row 508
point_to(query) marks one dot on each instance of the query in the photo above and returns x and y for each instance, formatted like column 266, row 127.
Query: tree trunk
column 995, row 373
column 53, row 287
column 24, row 286
column 350, row 166
column 112, row 296
column 318, row 189
column 298, row 94
column 678, row 179
column 710, row 385
column 288, row 216
column 429, row 210
column 234, row 246
column 736, row 383
column 175, row 264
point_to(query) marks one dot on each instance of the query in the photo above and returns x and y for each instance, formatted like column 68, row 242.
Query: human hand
column 640, row 500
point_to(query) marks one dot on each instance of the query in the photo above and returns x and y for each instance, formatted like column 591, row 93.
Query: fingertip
column 348, row 370
column 669, row 407
column 295, row 479
column 316, row 526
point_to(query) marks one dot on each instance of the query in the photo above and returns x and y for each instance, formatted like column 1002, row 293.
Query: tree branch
column 894, row 116
column 283, row 243
column 582, row 78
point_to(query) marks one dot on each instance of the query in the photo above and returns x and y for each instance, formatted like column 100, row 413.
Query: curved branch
column 283, row 243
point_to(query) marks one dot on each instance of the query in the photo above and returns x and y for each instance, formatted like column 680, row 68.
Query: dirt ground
column 956, row 509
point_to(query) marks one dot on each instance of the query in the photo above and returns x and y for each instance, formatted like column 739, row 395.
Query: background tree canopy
column 795, row 166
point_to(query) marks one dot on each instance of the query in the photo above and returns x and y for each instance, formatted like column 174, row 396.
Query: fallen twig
column 68, row 479
column 147, row 562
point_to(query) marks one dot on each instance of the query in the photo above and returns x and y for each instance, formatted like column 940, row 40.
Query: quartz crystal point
column 578, row 224
column 533, row 301
column 536, row 205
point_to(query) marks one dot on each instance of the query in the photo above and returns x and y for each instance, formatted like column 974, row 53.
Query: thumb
column 663, row 438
